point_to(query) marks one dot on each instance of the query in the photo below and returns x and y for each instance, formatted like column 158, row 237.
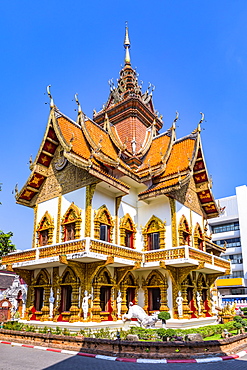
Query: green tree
column 6, row 245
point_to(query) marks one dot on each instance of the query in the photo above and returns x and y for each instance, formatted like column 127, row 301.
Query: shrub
column 237, row 318
column 164, row 315
column 66, row 331
column 58, row 330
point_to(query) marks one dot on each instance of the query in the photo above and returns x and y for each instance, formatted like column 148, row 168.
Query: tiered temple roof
column 124, row 139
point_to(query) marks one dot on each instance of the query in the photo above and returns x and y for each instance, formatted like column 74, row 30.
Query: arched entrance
column 40, row 296
column 103, row 291
column 155, row 291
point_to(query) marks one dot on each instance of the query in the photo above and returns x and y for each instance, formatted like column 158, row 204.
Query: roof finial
column 127, row 44
column 78, row 103
column 175, row 120
column 201, row 120
column 50, row 96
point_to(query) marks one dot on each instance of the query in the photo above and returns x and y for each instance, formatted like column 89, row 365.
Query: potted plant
column 164, row 315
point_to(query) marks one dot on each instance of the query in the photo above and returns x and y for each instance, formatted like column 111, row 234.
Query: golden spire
column 127, row 44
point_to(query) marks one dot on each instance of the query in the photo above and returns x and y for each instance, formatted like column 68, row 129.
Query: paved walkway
column 125, row 359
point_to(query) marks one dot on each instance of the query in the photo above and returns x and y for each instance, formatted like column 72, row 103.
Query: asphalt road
column 20, row 358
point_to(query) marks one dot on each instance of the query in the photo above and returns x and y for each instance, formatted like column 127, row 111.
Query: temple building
column 118, row 207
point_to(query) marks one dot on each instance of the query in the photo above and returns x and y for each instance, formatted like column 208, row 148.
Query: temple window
column 103, row 225
column 45, row 230
column 198, row 238
column 104, row 232
column 69, row 232
column 154, row 234
column 43, row 237
column 71, row 223
column 184, row 232
column 153, row 241
column 127, row 231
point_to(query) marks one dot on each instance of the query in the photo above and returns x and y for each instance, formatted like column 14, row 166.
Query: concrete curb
column 125, row 359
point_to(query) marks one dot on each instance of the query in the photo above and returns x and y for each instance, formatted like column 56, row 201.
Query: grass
column 218, row 336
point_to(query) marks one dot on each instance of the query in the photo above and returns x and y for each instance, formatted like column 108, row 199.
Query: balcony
column 90, row 250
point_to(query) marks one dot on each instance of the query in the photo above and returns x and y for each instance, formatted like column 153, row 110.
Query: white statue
column 51, row 302
column 213, row 299
column 137, row 312
column 179, row 301
column 119, row 304
column 198, row 301
column 85, row 304
column 220, row 303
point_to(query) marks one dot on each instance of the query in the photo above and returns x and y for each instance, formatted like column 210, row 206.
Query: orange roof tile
column 153, row 157
column 101, row 137
column 181, row 155
column 164, row 184
column 79, row 143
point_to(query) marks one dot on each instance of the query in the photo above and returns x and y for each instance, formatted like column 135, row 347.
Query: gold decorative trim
column 172, row 202
column 154, row 225
column 184, row 231
column 156, row 280
column 58, row 218
column 103, row 216
column 197, row 237
column 126, row 224
column 90, row 189
column 34, row 225
column 72, row 215
column 46, row 223
column 117, row 205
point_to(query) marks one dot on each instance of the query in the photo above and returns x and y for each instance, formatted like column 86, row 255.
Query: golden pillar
column 173, row 222
column 88, row 216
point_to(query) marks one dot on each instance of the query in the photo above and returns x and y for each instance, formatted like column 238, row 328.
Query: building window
column 230, row 243
column 234, row 258
column 104, row 233
column 129, row 239
column 225, row 227
column 45, row 230
column 234, row 274
column 184, row 232
column 71, row 223
column 127, row 231
column 198, row 238
column 69, row 232
column 43, row 237
column 103, row 225
column 154, row 234
column 153, row 241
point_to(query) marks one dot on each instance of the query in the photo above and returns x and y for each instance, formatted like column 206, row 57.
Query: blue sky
column 194, row 52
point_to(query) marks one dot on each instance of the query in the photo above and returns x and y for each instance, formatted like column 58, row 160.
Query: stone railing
column 27, row 255
column 108, row 249
column 164, row 254
column 74, row 246
column 89, row 245
column 221, row 262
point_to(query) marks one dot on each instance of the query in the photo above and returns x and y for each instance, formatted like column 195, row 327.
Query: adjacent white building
column 230, row 229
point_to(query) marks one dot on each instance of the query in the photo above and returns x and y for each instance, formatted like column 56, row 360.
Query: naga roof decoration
column 123, row 139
